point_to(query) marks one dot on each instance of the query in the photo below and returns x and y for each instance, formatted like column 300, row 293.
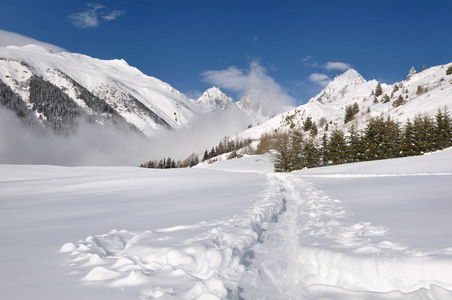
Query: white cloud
column 113, row 15
column 93, row 16
column 320, row 79
column 307, row 62
column 337, row 66
column 13, row 39
column 307, row 58
column 256, row 78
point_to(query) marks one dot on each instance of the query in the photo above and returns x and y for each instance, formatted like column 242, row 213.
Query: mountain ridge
column 401, row 100
column 113, row 92
column 143, row 101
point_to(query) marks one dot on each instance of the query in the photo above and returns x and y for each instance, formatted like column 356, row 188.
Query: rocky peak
column 214, row 99
column 349, row 81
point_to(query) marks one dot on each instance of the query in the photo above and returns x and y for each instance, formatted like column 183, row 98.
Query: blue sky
column 295, row 45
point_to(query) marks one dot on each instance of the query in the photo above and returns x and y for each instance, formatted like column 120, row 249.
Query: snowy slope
column 374, row 230
column 350, row 87
column 144, row 101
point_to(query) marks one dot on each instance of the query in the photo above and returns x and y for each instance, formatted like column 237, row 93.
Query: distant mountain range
column 55, row 90
column 422, row 92
column 58, row 88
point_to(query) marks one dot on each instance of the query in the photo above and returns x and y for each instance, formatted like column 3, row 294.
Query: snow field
column 44, row 207
column 207, row 266
column 409, row 257
column 230, row 230
column 360, row 256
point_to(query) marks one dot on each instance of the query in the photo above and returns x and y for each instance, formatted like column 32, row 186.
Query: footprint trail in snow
column 296, row 242
column 314, row 251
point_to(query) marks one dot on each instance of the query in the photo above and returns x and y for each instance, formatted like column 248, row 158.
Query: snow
column 230, row 230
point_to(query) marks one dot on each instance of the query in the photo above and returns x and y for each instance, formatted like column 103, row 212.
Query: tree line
column 12, row 101
column 59, row 110
column 382, row 138
column 226, row 145
column 169, row 163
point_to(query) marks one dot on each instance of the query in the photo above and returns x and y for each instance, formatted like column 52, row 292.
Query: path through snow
column 314, row 251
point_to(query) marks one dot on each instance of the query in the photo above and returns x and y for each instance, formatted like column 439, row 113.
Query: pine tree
column 398, row 102
column 419, row 90
column 395, row 89
column 355, row 108
column 449, row 70
column 443, row 134
column 205, row 156
column 311, row 155
column 283, row 157
column 355, row 145
column 314, row 130
column 323, row 152
column 307, row 124
column 381, row 137
column 424, row 131
column 412, row 72
column 348, row 114
column 408, row 144
column 296, row 144
column 212, row 153
column 385, row 98
column 337, row 148
column 168, row 163
column 378, row 90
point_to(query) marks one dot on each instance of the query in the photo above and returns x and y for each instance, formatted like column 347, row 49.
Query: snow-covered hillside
column 424, row 92
column 146, row 102
column 152, row 106
column 231, row 230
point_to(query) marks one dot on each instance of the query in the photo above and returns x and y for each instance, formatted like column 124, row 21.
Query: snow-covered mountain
column 142, row 101
column 423, row 92
column 254, row 108
column 214, row 100
column 111, row 92
column 349, row 83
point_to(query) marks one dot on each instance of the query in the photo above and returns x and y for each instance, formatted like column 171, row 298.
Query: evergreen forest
column 381, row 138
